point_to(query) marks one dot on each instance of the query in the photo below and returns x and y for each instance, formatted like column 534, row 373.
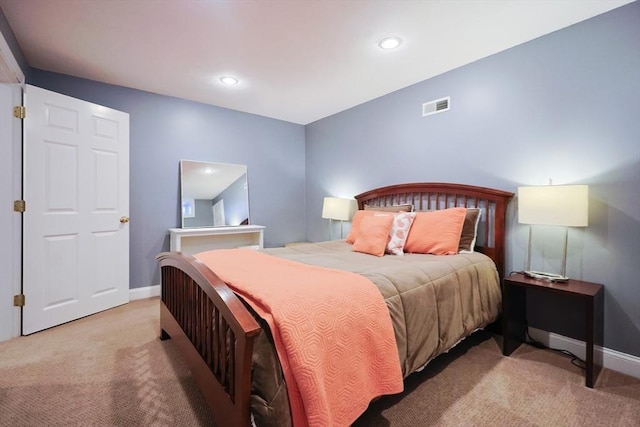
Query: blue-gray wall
column 164, row 130
column 565, row 106
column 203, row 214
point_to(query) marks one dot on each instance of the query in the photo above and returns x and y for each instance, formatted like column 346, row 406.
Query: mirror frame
column 207, row 181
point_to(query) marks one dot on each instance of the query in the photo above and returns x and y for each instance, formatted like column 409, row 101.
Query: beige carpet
column 111, row 369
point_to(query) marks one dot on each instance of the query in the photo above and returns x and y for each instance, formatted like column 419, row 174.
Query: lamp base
column 546, row 276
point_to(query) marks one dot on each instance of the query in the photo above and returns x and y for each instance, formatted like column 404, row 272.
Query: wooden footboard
column 213, row 331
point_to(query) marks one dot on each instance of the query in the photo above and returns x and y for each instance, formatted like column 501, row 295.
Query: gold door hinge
column 18, row 300
column 19, row 112
column 19, row 205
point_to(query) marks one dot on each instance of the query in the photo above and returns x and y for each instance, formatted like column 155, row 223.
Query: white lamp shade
column 565, row 205
column 338, row 208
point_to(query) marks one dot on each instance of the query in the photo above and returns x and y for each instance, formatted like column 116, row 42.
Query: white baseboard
column 612, row 359
column 145, row 292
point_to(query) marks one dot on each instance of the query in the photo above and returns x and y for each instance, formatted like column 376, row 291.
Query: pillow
column 370, row 210
column 394, row 208
column 436, row 232
column 374, row 234
column 399, row 231
column 355, row 224
column 469, row 231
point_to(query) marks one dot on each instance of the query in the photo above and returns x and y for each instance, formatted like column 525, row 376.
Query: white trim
column 6, row 55
column 612, row 359
column 145, row 292
column 10, row 221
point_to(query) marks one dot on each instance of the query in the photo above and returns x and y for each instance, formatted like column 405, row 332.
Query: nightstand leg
column 514, row 312
column 594, row 311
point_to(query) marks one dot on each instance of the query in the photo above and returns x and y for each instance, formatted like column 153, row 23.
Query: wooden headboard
column 428, row 196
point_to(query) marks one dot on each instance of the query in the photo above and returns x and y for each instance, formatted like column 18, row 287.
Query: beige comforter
column 434, row 302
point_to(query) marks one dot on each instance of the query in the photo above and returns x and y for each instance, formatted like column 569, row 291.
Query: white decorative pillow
column 399, row 231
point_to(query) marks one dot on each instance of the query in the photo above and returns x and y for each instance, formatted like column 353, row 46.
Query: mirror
column 213, row 194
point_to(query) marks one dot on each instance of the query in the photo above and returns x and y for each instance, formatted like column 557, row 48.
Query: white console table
column 193, row 240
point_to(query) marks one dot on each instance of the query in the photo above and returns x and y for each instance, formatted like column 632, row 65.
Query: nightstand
column 514, row 314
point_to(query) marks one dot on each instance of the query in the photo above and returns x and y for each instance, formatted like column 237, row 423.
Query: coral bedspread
column 336, row 356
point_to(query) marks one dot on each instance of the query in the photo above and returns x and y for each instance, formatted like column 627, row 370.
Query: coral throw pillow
column 374, row 234
column 355, row 224
column 372, row 210
column 399, row 232
column 436, row 232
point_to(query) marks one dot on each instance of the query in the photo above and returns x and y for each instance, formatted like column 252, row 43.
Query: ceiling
column 297, row 61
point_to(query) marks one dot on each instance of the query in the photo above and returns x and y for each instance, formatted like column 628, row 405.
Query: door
column 218, row 214
column 76, row 189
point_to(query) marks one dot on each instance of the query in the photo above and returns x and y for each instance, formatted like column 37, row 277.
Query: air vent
column 437, row 106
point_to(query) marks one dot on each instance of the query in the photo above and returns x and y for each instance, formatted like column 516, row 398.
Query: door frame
column 10, row 221
column 9, row 60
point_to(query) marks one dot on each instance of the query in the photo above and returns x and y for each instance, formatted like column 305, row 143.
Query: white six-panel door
column 76, row 189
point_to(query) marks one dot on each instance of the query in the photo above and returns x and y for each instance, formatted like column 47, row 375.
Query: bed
column 230, row 351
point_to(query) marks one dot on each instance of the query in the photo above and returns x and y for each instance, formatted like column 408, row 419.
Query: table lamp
column 561, row 205
column 336, row 208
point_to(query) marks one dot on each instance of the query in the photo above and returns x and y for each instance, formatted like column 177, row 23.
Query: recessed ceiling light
column 389, row 42
column 228, row 80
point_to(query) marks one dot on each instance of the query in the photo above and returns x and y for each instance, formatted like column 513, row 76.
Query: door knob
column 124, row 219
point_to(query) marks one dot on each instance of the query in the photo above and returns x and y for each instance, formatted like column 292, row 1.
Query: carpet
column 111, row 369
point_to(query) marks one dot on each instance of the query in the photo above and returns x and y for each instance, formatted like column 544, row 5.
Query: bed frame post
column 213, row 331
